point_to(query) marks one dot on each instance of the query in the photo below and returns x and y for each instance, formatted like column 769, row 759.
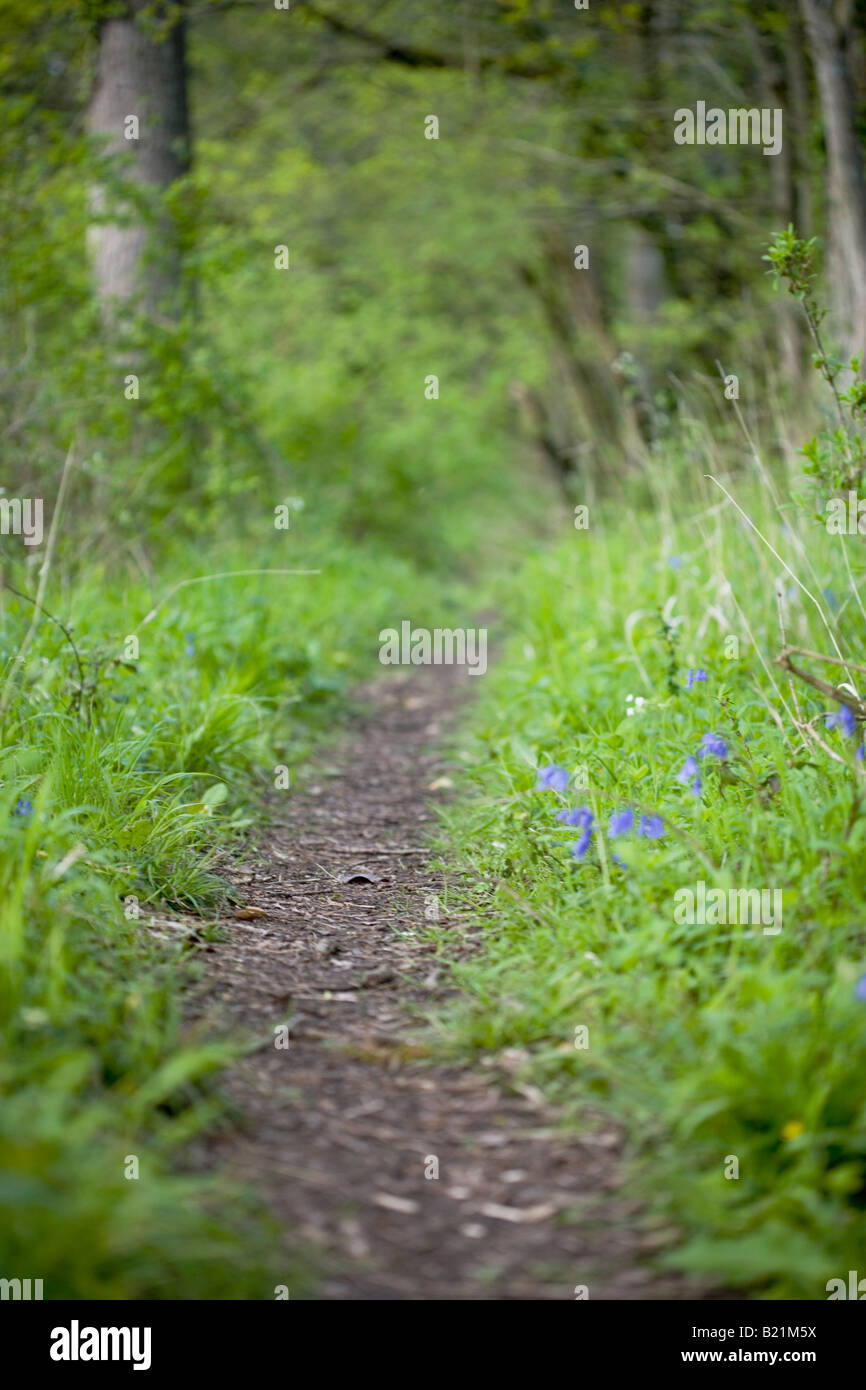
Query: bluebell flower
column 552, row 778
column 190, row 643
column 861, row 752
column 843, row 719
column 675, row 561
column 579, row 849
column 693, row 677
column 689, row 772
column 621, row 822
column 860, row 989
column 651, row 827
column 715, row 744
column 23, row 807
column 578, row 815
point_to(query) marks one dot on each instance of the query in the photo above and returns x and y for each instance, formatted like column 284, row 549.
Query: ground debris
column 415, row 1180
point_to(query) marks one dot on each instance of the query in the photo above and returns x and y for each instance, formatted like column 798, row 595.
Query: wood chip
column 401, row 1204
column 518, row 1215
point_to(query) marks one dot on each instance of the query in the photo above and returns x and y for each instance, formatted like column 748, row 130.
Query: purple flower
column 860, row 989
column 843, row 719
column 552, row 778
column 861, row 752
column 689, row 772
column 693, row 677
column 621, row 822
column 190, row 643
column 23, row 807
column 675, row 561
column 579, row 849
column 578, row 815
column 651, row 827
column 715, row 744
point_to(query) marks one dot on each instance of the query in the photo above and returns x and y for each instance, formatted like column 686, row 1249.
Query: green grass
column 123, row 781
column 709, row 1041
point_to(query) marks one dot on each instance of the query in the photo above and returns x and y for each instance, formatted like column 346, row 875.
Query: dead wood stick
column 362, row 849
column 830, row 660
column 842, row 697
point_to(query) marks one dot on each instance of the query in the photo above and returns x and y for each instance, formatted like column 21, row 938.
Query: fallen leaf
column 379, row 975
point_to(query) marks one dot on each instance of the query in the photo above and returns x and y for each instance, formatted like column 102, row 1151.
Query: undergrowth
column 637, row 740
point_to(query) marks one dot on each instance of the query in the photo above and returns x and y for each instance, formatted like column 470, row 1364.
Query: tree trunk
column 828, row 27
column 773, row 58
column 141, row 73
column 611, row 423
column 645, row 284
column 646, row 278
column 797, row 117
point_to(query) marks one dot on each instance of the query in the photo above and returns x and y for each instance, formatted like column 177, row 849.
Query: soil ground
column 341, row 1128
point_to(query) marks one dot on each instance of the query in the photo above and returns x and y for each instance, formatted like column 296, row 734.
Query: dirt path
column 342, row 1126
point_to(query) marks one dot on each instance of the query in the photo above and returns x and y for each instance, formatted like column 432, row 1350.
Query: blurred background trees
column 408, row 256
column 139, row 102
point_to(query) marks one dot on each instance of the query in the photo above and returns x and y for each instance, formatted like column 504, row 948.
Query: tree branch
column 408, row 55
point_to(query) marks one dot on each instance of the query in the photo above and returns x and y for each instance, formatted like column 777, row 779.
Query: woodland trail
column 339, row 1128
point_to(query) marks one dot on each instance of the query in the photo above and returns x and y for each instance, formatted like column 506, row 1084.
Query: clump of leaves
column 670, row 637
column 836, row 457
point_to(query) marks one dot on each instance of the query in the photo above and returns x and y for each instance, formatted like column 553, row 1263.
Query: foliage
column 710, row 1040
column 128, row 773
column 836, row 457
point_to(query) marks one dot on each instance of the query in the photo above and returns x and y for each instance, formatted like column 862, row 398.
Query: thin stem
column 21, row 654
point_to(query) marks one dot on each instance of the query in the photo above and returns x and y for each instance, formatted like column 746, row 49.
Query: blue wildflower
column 843, row 719
column 715, row 744
column 831, row 598
column 689, row 772
column 23, row 807
column 675, row 562
column 621, row 822
column 578, row 815
column 688, row 769
column 579, row 849
column 861, row 752
column 651, row 827
column 693, row 677
column 552, row 778
column 860, row 989
column 190, row 643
